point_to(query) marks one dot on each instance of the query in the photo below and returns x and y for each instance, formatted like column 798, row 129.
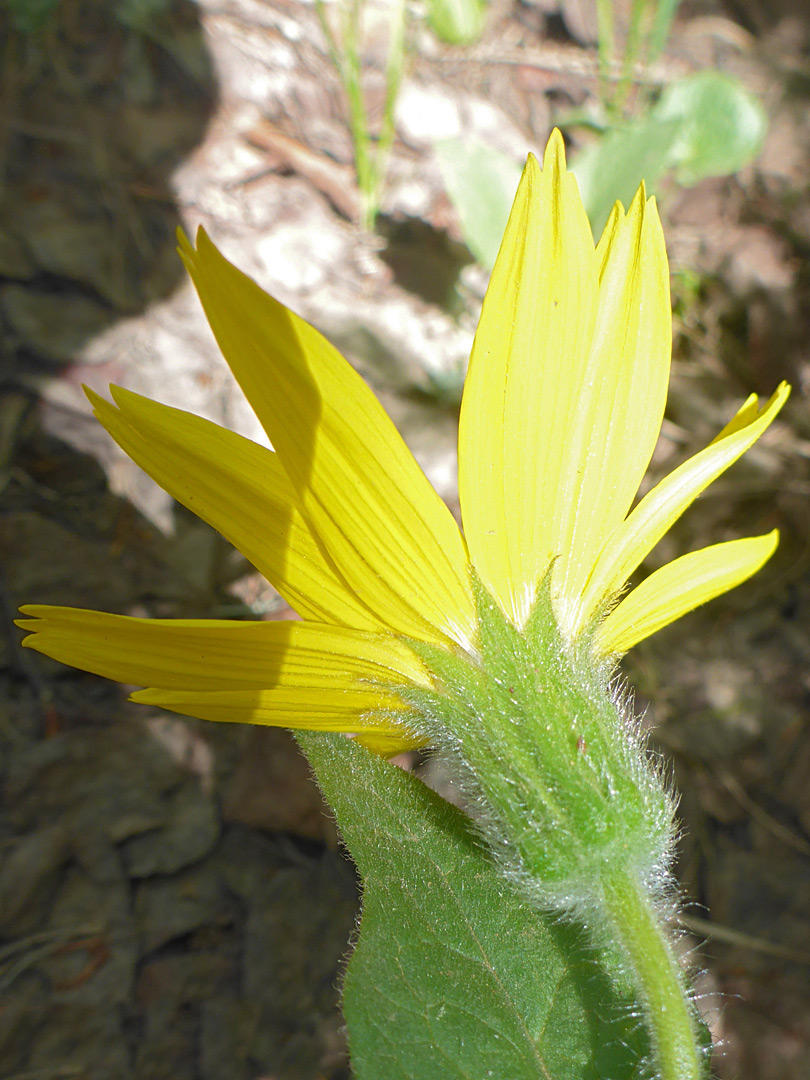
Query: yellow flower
column 562, row 407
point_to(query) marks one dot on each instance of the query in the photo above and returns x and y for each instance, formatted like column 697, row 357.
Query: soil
column 173, row 901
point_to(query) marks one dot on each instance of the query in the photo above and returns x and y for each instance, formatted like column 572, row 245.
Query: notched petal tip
column 96, row 400
column 33, row 610
column 37, row 620
column 205, row 248
column 782, row 392
column 193, row 252
column 681, row 586
column 663, row 505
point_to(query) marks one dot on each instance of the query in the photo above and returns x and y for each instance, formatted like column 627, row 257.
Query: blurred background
column 173, row 901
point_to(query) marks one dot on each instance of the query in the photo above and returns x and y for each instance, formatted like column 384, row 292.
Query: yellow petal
column 680, row 586
column 526, row 373
column 633, row 540
column 383, row 525
column 620, row 402
column 242, row 491
column 361, row 710
column 194, row 655
column 742, row 418
column 387, row 745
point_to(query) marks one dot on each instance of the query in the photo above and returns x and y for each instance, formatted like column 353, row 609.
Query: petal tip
column 96, row 400
column 638, row 204
column 554, row 155
column 531, row 169
column 205, row 245
column 772, row 544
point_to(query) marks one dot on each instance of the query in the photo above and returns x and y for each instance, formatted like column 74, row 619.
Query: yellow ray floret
column 266, row 671
column 681, row 586
column 561, row 412
column 389, row 533
column 566, row 387
column 242, row 491
column 636, row 536
column 218, row 654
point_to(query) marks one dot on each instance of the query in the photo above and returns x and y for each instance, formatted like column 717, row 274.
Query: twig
column 728, row 936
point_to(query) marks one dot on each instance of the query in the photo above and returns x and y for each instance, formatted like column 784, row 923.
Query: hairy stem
column 670, row 1017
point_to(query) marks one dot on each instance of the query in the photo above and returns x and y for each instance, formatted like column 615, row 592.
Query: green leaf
column 722, row 125
column 613, row 167
column 481, row 183
column 706, row 124
column 456, row 22
column 453, row 975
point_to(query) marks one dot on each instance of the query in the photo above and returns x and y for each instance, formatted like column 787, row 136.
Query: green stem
column 606, row 46
column 670, row 1018
column 393, row 78
column 346, row 58
column 638, row 11
column 358, row 118
column 662, row 21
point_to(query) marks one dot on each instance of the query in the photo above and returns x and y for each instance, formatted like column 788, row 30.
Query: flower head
column 562, row 408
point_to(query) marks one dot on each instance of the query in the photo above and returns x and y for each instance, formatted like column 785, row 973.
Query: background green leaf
column 613, row 167
column 722, row 125
column 481, row 183
column 456, row 22
column 453, row 976
column 706, row 124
